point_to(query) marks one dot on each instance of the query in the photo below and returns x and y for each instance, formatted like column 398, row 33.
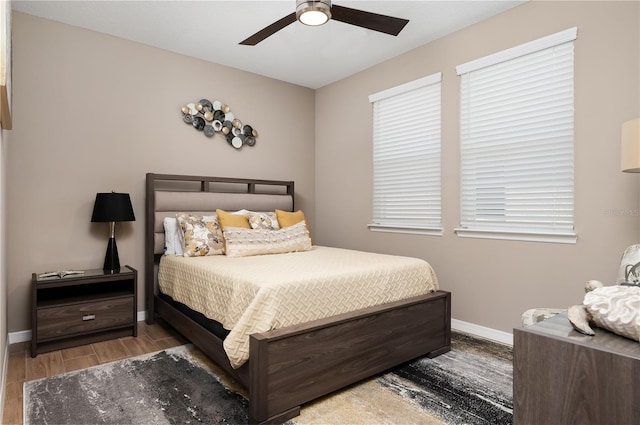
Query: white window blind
column 406, row 157
column 516, row 143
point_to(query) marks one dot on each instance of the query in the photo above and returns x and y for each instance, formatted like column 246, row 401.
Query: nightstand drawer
column 77, row 318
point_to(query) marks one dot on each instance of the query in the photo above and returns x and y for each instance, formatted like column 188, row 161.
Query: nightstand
column 82, row 309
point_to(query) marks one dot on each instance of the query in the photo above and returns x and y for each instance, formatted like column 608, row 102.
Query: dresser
column 561, row 376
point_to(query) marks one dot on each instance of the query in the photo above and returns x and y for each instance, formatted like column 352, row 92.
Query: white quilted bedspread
column 261, row 293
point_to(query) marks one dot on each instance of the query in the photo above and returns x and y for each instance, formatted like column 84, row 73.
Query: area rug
column 469, row 385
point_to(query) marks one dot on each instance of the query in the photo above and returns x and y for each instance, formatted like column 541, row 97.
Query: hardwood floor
column 23, row 368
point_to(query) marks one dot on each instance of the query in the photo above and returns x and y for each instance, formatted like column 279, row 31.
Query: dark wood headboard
column 168, row 194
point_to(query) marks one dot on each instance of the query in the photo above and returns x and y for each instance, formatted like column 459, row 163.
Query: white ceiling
column 307, row 56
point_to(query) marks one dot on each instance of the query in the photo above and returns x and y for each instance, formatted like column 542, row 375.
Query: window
column 516, row 143
column 406, row 157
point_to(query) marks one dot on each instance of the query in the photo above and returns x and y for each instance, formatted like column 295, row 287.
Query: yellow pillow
column 286, row 219
column 232, row 220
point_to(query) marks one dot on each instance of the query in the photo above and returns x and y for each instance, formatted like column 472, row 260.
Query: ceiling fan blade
column 369, row 20
column 269, row 30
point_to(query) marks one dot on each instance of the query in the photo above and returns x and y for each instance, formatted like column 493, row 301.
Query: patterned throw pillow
column 245, row 242
column 202, row 235
column 259, row 220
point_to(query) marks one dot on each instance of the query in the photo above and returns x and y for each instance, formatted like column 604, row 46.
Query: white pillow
column 241, row 242
column 173, row 241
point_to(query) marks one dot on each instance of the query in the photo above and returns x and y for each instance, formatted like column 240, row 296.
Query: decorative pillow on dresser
column 615, row 308
column 202, row 235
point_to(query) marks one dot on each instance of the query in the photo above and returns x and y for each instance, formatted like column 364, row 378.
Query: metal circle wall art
column 216, row 117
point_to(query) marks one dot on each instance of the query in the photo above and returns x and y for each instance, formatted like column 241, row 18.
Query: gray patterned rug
column 469, row 385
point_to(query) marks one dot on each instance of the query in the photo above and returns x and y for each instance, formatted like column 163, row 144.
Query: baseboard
column 20, row 336
column 483, row 332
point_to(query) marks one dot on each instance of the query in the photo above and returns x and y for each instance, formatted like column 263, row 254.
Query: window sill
column 565, row 238
column 431, row 231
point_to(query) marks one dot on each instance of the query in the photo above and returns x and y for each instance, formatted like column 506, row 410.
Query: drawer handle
column 88, row 317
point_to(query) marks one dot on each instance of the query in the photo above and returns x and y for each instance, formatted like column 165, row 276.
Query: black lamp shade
column 112, row 207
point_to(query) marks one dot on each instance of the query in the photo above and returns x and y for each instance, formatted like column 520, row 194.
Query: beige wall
column 493, row 282
column 94, row 113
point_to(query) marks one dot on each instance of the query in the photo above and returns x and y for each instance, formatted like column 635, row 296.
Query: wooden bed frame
column 294, row 365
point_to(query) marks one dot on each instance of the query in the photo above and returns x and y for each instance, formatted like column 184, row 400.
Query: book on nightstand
column 60, row 274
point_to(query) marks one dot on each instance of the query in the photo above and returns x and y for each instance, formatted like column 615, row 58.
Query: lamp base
column 111, row 260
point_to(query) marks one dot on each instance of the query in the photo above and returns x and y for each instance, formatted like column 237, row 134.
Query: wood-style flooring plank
column 17, row 367
column 78, row 363
column 75, row 352
column 172, row 341
column 12, row 413
column 108, row 351
column 44, row 365
column 140, row 345
column 156, row 331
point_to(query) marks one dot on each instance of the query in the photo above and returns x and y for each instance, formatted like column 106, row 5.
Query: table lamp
column 112, row 207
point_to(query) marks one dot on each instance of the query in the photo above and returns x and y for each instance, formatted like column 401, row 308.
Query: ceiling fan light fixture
column 313, row 13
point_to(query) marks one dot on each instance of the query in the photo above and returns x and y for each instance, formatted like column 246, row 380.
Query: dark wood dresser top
column 559, row 327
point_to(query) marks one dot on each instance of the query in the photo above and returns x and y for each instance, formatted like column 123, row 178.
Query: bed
column 299, row 360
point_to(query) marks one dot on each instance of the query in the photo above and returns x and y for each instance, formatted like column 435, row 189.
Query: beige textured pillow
column 243, row 242
column 202, row 235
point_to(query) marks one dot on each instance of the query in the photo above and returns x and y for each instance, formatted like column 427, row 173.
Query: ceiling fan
column 318, row 12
